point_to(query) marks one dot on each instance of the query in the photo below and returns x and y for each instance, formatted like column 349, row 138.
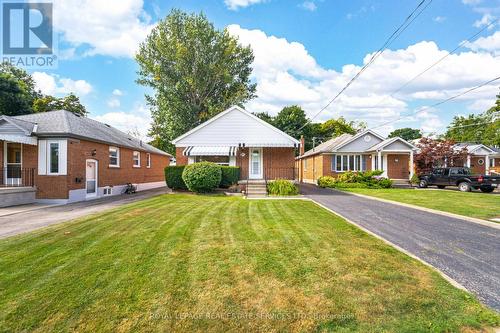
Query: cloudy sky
column 305, row 52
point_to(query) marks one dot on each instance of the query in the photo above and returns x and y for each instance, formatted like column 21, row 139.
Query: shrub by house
column 202, row 177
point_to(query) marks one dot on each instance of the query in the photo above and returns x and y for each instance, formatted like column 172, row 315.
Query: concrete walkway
column 28, row 219
column 467, row 252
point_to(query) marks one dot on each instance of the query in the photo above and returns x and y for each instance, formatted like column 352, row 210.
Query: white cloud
column 53, row 85
column 439, row 19
column 114, row 103
column 490, row 43
column 287, row 74
column 309, row 5
column 486, row 19
column 235, row 4
column 138, row 120
column 112, row 27
column 117, row 92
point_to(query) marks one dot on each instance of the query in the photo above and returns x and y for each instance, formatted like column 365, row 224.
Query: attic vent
column 107, row 125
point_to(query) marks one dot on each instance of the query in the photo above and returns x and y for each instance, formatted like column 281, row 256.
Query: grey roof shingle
column 328, row 145
column 65, row 123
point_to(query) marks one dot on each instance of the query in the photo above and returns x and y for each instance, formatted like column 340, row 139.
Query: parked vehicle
column 461, row 177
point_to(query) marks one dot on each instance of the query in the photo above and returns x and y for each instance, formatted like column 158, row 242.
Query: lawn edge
column 429, row 210
column 452, row 281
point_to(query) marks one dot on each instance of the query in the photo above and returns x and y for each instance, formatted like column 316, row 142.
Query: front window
column 221, row 160
column 114, row 157
column 348, row 162
column 492, row 162
column 148, row 160
column 54, row 158
column 137, row 159
column 305, row 164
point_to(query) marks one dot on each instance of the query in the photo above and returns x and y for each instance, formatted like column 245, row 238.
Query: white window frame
column 117, row 157
column 305, row 164
column 492, row 162
column 49, row 166
column 148, row 160
column 138, row 159
column 347, row 166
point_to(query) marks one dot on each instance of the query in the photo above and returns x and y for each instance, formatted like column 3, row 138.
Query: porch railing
column 15, row 176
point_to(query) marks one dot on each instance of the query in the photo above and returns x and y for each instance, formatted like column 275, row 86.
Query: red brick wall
column 79, row 152
column 57, row 187
column 180, row 159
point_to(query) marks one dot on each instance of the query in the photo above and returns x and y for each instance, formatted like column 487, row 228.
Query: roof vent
column 107, row 125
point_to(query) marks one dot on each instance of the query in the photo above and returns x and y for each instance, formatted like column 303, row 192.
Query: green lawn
column 472, row 204
column 205, row 263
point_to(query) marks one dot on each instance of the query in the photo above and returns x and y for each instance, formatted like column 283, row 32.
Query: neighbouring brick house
column 58, row 156
column 480, row 158
column 236, row 137
column 364, row 151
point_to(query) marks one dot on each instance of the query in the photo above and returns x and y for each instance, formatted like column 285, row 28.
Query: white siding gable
column 481, row 151
column 397, row 145
column 236, row 126
column 361, row 144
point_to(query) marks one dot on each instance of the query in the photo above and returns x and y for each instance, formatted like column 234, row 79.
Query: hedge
column 173, row 177
column 349, row 179
column 230, row 176
column 202, row 177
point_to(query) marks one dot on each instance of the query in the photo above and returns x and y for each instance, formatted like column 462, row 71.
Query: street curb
column 453, row 282
column 428, row 210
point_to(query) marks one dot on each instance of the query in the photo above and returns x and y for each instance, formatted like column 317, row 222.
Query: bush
column 202, row 177
column 349, row 179
column 282, row 187
column 230, row 176
column 173, row 177
column 326, row 181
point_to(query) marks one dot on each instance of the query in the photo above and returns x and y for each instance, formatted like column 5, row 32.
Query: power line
column 441, row 102
column 409, row 19
column 468, row 40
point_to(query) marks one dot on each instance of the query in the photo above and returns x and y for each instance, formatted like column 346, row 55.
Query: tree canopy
column 481, row 128
column 195, row 70
column 18, row 95
column 406, row 133
column 291, row 120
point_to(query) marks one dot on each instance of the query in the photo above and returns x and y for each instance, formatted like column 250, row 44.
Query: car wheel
column 464, row 187
column 422, row 184
column 441, row 186
column 487, row 189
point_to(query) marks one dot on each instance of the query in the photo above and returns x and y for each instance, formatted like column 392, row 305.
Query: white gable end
column 361, row 143
column 234, row 127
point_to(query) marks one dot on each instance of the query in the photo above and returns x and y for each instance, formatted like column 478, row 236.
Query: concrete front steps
column 256, row 189
column 401, row 183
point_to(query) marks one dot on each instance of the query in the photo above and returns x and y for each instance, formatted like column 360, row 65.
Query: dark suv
column 461, row 177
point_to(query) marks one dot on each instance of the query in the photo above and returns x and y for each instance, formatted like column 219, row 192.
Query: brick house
column 59, row 157
column 235, row 137
column 480, row 158
column 364, row 151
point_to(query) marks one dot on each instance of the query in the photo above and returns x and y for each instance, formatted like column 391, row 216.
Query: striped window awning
column 210, row 151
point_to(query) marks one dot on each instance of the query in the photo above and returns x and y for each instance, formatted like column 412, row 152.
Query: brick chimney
column 302, row 145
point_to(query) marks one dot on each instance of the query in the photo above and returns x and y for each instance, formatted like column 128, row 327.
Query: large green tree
column 18, row 95
column 15, row 99
column 406, row 133
column 69, row 103
column 481, row 128
column 195, row 71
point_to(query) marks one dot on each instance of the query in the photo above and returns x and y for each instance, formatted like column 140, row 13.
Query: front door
column 398, row 166
column 91, row 178
column 13, row 163
column 255, row 167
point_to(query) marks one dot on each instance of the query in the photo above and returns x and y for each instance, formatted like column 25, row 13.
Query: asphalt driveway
column 29, row 220
column 467, row 252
